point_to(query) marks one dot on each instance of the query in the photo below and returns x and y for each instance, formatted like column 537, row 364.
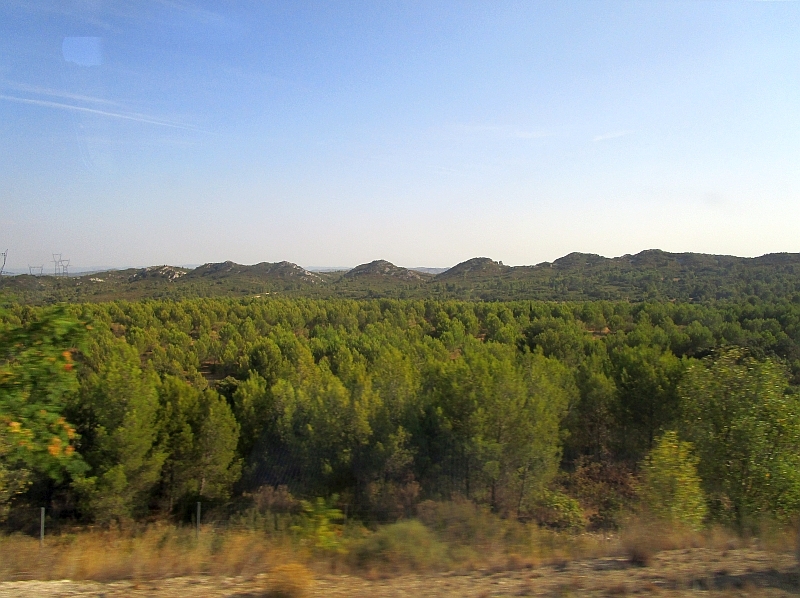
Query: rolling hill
column 649, row 275
column 383, row 270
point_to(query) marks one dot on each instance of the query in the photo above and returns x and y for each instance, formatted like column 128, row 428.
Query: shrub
column 670, row 485
column 638, row 548
column 403, row 545
column 390, row 500
column 556, row 510
column 316, row 526
column 461, row 521
column 606, row 491
column 292, row 580
column 267, row 499
column 641, row 539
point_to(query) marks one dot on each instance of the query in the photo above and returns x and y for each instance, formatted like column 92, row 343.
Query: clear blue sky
column 424, row 133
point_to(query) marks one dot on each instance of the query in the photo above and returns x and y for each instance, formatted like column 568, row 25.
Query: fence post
column 197, row 521
column 41, row 528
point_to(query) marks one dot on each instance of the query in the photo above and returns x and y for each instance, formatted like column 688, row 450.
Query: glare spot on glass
column 83, row 51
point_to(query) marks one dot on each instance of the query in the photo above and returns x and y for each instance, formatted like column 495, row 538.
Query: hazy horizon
column 420, row 133
column 74, row 270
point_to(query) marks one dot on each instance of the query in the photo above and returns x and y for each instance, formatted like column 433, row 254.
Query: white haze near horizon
column 423, row 134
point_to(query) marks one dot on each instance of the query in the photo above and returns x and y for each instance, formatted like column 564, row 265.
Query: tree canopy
column 121, row 410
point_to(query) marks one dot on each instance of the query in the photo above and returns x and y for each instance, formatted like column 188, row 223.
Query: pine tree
column 118, row 414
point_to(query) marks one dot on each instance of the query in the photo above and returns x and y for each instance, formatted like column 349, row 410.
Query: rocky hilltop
column 477, row 266
column 170, row 273
column 286, row 271
column 382, row 268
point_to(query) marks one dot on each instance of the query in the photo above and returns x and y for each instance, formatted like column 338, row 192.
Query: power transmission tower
column 60, row 265
column 5, row 255
column 32, row 268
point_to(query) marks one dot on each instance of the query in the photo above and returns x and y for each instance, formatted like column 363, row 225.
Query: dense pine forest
column 568, row 414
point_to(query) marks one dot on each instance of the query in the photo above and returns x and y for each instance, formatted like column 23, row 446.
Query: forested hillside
column 647, row 276
column 538, row 410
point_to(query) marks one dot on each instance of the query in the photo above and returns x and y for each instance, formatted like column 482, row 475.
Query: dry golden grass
column 467, row 542
column 641, row 540
column 159, row 551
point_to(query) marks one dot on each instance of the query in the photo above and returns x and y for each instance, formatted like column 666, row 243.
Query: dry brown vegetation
column 162, row 552
column 157, row 552
column 464, row 558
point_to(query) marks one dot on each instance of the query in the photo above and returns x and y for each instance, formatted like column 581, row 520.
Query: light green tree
column 671, row 489
column 745, row 426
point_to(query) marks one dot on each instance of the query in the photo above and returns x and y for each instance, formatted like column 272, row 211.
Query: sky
column 424, row 133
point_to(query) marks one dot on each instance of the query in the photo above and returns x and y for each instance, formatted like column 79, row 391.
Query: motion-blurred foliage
column 37, row 379
column 671, row 488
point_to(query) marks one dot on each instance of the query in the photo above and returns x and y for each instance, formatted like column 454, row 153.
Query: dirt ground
column 743, row 572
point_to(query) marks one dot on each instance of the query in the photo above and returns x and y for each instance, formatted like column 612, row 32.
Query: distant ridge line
column 648, row 275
